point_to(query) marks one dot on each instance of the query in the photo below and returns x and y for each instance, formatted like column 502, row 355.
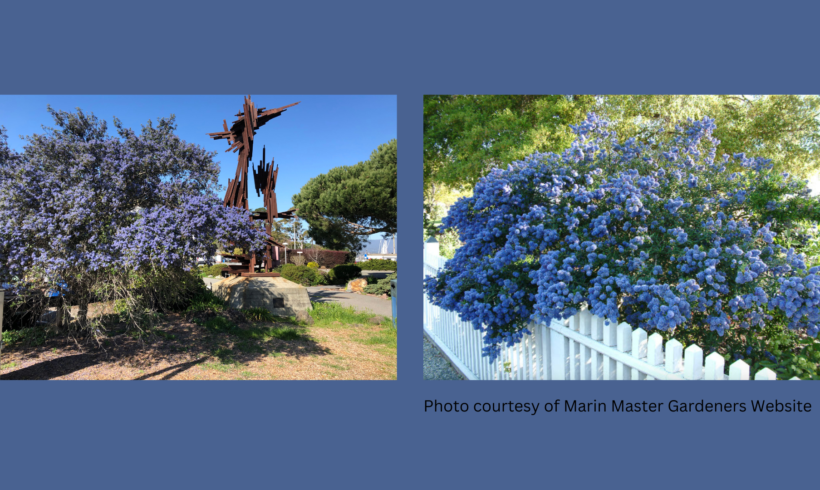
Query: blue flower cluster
column 78, row 200
column 657, row 234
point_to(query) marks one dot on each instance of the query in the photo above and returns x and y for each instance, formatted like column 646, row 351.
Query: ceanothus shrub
column 658, row 234
column 78, row 205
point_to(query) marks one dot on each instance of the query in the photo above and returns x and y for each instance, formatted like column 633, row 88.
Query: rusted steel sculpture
column 240, row 138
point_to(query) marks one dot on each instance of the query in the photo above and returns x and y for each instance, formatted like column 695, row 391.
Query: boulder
column 276, row 294
column 356, row 285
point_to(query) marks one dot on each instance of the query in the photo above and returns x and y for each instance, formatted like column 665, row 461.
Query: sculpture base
column 275, row 294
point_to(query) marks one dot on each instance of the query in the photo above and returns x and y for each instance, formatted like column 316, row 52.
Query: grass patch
column 258, row 315
column 382, row 335
column 33, row 336
column 325, row 314
column 217, row 366
column 206, row 301
column 224, row 355
column 337, row 367
column 386, row 338
column 223, row 325
column 8, row 365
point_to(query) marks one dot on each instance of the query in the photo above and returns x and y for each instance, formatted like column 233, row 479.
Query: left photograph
column 233, row 237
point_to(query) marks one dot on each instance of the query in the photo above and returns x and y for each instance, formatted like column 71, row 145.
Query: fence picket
column 532, row 365
column 586, row 353
column 539, row 355
column 639, row 343
column 714, row 367
column 559, row 355
column 574, row 360
column 584, row 346
column 693, row 363
column 546, row 351
column 739, row 370
column 766, row 374
column 624, row 343
column 674, row 356
column 597, row 361
column 610, row 332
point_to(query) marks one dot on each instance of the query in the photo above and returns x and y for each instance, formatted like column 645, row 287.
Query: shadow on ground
column 326, row 295
column 53, row 368
column 176, row 345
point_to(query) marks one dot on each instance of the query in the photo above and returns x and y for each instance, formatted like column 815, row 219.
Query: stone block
column 276, row 294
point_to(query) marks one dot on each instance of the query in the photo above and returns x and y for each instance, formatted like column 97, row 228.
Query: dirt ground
column 182, row 349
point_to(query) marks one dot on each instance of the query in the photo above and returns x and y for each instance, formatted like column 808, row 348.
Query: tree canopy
column 80, row 209
column 349, row 203
column 466, row 136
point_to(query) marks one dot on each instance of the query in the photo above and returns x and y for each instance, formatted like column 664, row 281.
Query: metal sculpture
column 240, row 138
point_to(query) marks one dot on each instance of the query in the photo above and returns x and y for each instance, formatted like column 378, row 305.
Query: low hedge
column 378, row 265
column 382, row 286
column 211, row 270
column 343, row 273
column 325, row 258
column 302, row 274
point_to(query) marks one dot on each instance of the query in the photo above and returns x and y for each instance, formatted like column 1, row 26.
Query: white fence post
column 639, row 345
column 674, row 356
column 559, row 355
column 693, row 363
column 739, row 370
column 624, row 341
column 610, row 332
column 546, row 352
column 575, row 349
column 597, row 361
column 585, row 328
column 714, row 367
column 431, row 246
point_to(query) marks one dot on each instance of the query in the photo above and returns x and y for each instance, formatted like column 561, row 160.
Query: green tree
column 784, row 128
column 349, row 203
column 465, row 136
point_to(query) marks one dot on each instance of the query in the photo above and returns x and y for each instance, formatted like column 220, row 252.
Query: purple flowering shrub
column 662, row 235
column 81, row 209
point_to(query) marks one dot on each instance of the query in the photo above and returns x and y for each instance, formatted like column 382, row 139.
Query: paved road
column 336, row 294
column 325, row 294
column 210, row 281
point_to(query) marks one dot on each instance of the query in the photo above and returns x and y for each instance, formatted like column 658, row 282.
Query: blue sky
column 322, row 132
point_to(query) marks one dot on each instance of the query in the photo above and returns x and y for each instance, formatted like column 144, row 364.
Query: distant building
column 379, row 248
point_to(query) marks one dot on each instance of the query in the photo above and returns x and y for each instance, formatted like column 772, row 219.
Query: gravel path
column 436, row 366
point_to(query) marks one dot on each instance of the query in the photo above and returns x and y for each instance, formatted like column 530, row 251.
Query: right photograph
column 621, row 237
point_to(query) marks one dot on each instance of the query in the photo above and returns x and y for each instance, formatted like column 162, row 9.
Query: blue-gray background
column 375, row 434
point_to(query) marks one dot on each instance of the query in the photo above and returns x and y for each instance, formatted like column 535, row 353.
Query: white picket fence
column 582, row 347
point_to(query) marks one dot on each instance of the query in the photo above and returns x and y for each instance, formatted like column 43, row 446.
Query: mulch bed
column 181, row 349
